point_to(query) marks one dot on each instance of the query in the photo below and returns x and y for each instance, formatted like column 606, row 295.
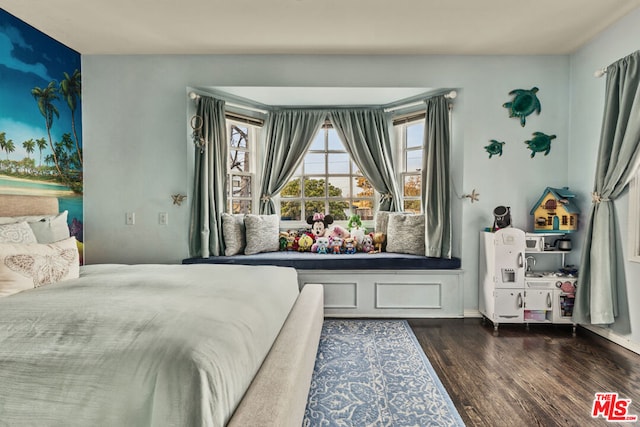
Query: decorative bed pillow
column 18, row 232
column 47, row 228
column 262, row 233
column 233, row 234
column 30, row 265
column 405, row 234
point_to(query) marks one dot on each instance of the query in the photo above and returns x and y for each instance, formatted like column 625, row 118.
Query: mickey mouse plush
column 319, row 226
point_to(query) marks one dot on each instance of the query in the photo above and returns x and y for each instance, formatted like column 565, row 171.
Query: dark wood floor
column 541, row 377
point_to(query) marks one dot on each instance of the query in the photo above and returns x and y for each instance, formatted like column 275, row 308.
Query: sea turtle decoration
column 495, row 148
column 524, row 102
column 539, row 143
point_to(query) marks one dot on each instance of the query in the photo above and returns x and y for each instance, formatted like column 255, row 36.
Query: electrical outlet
column 163, row 218
column 130, row 218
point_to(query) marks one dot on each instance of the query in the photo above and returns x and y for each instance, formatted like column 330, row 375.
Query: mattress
column 144, row 345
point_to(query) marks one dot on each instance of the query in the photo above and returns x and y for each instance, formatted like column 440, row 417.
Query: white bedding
column 158, row 345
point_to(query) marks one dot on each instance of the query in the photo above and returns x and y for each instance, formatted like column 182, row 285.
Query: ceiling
column 454, row 27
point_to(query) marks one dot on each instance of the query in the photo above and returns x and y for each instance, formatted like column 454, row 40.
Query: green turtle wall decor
column 495, row 148
column 539, row 143
column 524, row 103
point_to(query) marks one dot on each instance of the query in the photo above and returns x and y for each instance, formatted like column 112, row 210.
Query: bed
column 206, row 345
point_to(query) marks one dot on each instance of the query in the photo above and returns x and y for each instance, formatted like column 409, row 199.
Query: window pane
column 412, row 206
column 339, row 210
column 355, row 170
column 339, row 186
column 314, row 187
column 314, row 164
column 239, row 136
column 291, row 210
column 240, row 186
column 364, row 208
column 415, row 135
column 338, row 163
column 239, row 161
column 241, row 206
column 411, row 185
column 362, row 187
column 318, row 141
column 313, row 206
column 413, row 161
column 292, row 189
column 335, row 144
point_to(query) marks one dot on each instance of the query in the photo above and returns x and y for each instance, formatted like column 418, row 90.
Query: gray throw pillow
column 381, row 221
column 233, row 233
column 262, row 233
column 405, row 234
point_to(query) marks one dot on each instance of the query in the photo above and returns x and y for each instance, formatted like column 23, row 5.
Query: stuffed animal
column 282, row 239
column 349, row 245
column 322, row 245
column 379, row 240
column 304, row 243
column 340, row 232
column 319, row 227
column 367, row 243
column 356, row 229
column 335, row 245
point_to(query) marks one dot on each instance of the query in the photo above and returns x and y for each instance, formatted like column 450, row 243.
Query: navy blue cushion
column 357, row 261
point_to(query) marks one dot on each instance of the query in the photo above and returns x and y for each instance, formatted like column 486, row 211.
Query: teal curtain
column 436, row 193
column 365, row 133
column 618, row 156
column 288, row 136
column 210, row 180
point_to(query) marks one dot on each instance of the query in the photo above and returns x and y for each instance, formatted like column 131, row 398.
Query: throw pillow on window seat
column 233, row 232
column 262, row 233
column 405, row 234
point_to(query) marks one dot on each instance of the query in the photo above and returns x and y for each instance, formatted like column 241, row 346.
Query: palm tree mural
column 71, row 88
column 44, row 98
column 3, row 141
column 9, row 147
column 29, row 146
column 42, row 144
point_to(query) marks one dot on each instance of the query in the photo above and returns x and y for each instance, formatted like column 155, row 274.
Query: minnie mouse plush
column 319, row 226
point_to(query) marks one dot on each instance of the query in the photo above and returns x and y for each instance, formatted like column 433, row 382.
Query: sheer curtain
column 618, row 158
column 365, row 133
column 210, row 180
column 436, row 193
column 289, row 135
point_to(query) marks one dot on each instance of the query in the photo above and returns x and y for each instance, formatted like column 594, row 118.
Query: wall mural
column 40, row 118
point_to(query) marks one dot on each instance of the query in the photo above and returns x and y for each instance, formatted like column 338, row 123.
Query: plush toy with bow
column 319, row 227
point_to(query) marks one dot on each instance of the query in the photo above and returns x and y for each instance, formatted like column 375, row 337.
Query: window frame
column 327, row 176
column 403, row 150
column 251, row 154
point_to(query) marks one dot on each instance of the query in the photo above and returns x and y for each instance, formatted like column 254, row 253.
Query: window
column 327, row 181
column 412, row 147
column 240, row 167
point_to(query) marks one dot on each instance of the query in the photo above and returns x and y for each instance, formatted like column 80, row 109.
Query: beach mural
column 40, row 118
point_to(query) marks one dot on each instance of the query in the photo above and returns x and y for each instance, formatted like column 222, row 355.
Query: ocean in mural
column 40, row 118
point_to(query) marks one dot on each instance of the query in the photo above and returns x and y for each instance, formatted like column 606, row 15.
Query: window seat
column 357, row 261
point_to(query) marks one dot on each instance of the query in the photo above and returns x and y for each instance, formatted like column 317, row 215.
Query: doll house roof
column 561, row 194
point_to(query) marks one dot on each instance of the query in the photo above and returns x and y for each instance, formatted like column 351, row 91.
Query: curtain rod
column 600, row 72
column 450, row 95
column 195, row 96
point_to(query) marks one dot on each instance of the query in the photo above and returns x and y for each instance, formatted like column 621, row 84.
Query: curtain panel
column 210, row 180
column 617, row 161
column 289, row 134
column 436, row 192
column 365, row 133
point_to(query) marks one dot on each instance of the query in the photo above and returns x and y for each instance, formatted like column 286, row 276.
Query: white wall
column 587, row 105
column 136, row 146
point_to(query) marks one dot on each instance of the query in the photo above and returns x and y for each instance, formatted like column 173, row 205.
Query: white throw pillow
column 30, row 265
column 47, row 228
column 233, row 234
column 18, row 232
column 262, row 233
column 405, row 234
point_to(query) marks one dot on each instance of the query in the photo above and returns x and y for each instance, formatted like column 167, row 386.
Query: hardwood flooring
column 540, row 377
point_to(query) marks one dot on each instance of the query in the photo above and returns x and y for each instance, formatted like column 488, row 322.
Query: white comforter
column 146, row 345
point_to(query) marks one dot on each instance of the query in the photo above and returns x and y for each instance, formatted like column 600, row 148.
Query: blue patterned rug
column 374, row 373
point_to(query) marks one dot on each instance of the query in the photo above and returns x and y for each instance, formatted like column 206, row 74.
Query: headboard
column 19, row 205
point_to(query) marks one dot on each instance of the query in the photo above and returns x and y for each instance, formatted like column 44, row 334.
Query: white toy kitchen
column 524, row 279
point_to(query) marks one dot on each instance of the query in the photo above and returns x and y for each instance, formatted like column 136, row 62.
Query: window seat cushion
column 313, row 261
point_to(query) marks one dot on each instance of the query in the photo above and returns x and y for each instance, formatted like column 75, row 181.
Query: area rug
column 374, row 373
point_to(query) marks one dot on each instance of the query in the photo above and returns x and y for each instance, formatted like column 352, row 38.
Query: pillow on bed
column 233, row 233
column 262, row 233
column 18, row 232
column 405, row 234
column 47, row 228
column 30, row 265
